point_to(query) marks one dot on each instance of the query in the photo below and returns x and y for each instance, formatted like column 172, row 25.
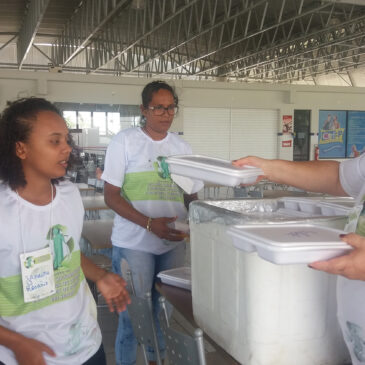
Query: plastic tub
column 212, row 170
column 290, row 244
column 180, row 277
column 259, row 312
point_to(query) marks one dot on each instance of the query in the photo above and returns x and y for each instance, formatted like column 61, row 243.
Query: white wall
column 118, row 90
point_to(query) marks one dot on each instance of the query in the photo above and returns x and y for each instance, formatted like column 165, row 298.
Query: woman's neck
column 37, row 193
column 156, row 136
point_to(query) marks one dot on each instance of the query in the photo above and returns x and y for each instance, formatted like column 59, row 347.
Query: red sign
column 287, row 124
column 286, row 143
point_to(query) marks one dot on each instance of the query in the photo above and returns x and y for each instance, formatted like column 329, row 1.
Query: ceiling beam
column 140, row 26
column 88, row 19
column 29, row 28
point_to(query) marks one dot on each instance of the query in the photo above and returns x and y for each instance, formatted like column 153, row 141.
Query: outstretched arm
column 111, row 286
column 316, row 176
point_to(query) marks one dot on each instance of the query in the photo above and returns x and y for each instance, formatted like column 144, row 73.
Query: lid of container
column 213, row 164
column 289, row 236
column 179, row 274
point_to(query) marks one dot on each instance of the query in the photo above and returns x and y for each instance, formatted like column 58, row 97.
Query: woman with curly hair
column 47, row 313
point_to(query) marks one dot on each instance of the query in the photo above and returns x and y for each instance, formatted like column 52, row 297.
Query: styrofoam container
column 292, row 204
column 212, row 170
column 334, row 209
column 180, row 277
column 180, row 226
column 309, row 207
column 292, row 212
column 290, row 244
column 304, row 205
column 317, row 207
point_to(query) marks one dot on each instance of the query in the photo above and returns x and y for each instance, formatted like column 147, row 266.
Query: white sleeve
column 352, row 175
column 115, row 163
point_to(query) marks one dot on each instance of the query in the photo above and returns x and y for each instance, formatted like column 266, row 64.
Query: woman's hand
column 30, row 352
column 113, row 288
column 253, row 161
column 352, row 265
column 160, row 227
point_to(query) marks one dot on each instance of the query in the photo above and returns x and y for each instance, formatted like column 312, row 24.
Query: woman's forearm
column 316, row 176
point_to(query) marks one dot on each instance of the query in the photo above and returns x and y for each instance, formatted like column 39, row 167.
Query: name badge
column 37, row 274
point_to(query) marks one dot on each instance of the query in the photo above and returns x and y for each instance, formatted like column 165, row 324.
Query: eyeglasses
column 160, row 110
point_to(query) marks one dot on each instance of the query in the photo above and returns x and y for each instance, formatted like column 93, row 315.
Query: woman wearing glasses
column 146, row 204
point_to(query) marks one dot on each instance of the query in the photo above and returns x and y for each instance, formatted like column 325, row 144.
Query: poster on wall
column 355, row 134
column 331, row 136
column 287, row 124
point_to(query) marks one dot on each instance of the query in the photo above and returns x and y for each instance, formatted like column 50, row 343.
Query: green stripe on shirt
column 67, row 280
column 148, row 185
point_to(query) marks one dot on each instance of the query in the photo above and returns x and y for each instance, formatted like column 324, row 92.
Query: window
column 84, row 120
column 99, row 121
column 70, row 118
column 113, row 123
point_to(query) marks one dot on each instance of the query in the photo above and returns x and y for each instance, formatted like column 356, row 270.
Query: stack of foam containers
column 259, row 312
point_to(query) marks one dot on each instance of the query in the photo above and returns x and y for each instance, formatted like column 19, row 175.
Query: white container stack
column 259, row 312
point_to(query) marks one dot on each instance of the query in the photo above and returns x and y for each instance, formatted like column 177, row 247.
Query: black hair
column 16, row 122
column 152, row 88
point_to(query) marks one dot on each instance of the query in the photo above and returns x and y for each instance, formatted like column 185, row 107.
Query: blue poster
column 332, row 134
column 355, row 134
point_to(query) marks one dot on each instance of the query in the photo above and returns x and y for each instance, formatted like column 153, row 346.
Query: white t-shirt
column 351, row 293
column 131, row 163
column 65, row 321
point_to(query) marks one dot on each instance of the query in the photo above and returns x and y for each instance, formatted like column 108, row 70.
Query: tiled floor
column 108, row 323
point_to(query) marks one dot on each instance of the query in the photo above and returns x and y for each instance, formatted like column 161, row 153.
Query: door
column 301, row 135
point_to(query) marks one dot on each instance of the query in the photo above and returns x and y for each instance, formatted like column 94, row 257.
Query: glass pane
column 84, row 120
column 301, row 135
column 127, row 122
column 113, row 123
column 70, row 118
column 138, row 121
column 99, row 121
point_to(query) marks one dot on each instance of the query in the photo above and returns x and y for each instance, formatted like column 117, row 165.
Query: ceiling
column 274, row 41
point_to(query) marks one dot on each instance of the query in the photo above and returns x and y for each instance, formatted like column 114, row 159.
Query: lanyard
column 20, row 219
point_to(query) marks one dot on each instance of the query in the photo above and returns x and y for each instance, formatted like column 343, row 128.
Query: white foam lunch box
column 212, row 170
column 180, row 277
column 290, row 243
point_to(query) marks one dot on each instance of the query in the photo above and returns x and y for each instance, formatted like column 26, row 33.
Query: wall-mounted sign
column 355, row 133
column 332, row 133
column 287, row 124
column 286, row 143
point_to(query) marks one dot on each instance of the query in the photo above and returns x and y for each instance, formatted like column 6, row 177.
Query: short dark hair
column 16, row 122
column 152, row 88
column 155, row 86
